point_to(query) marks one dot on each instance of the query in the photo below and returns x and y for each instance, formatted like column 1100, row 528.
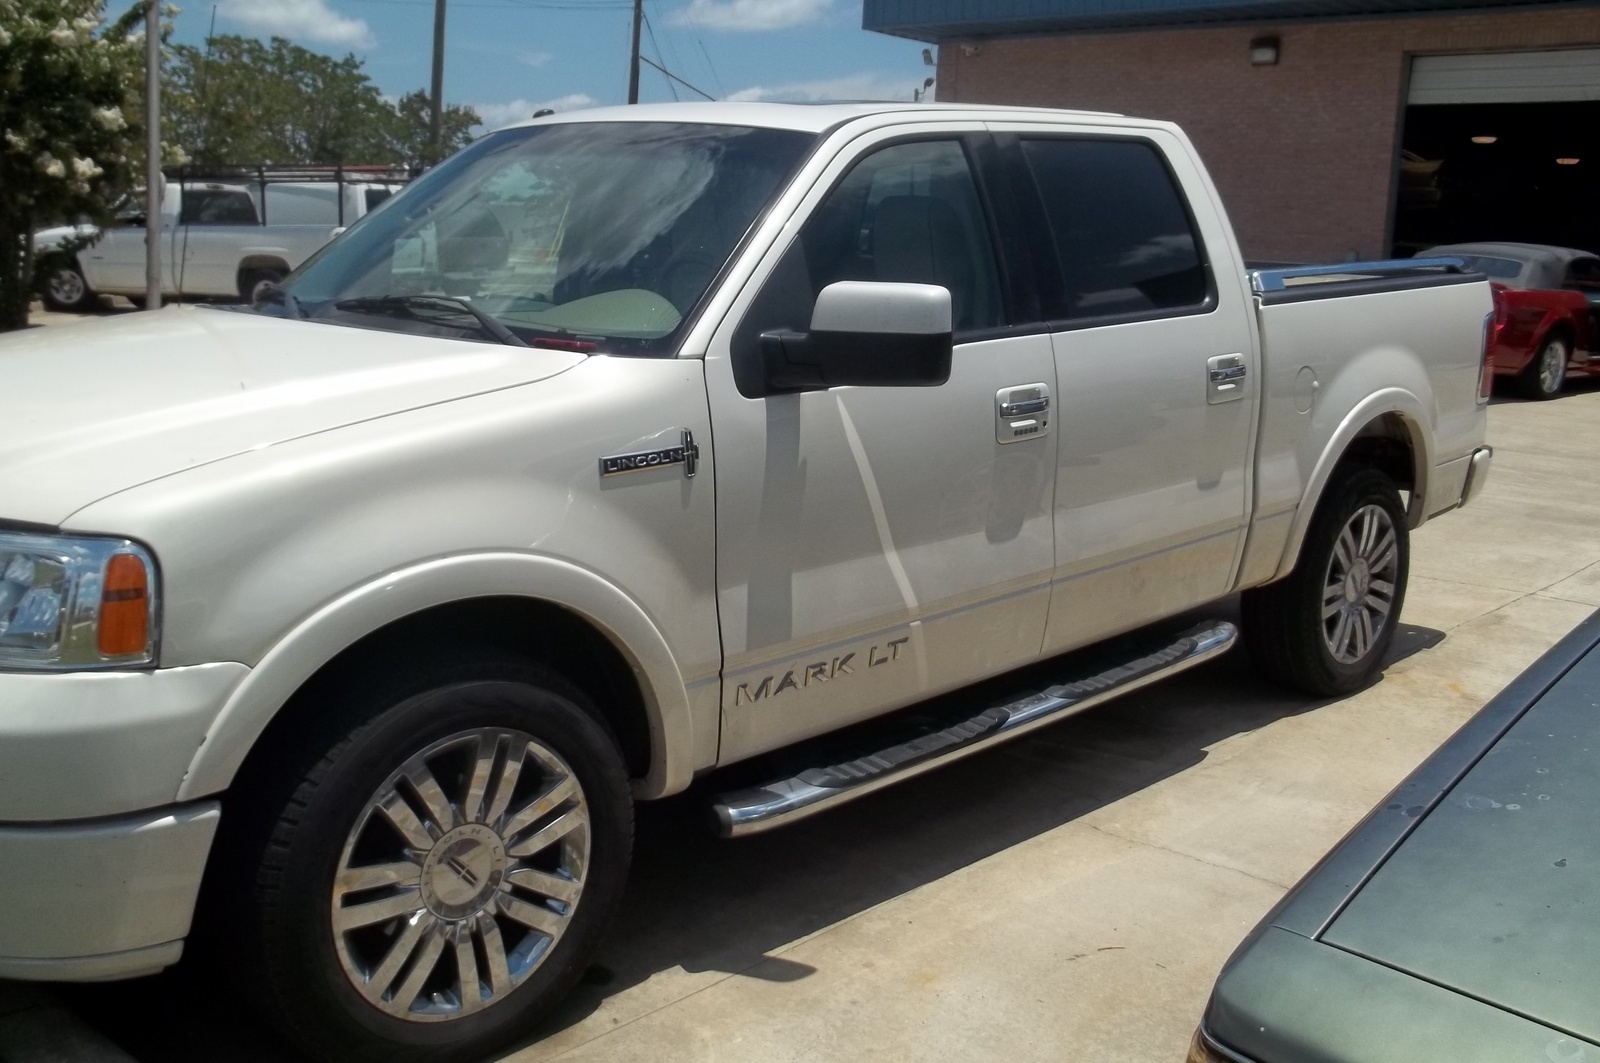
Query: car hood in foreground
column 1496, row 894
column 1461, row 919
column 91, row 409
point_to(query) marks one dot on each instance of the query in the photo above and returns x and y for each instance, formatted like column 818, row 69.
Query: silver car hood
column 91, row 409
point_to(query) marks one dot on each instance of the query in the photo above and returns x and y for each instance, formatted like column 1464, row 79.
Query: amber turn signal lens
column 125, row 607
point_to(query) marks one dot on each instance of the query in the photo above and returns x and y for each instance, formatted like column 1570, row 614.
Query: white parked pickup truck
column 632, row 443
column 223, row 240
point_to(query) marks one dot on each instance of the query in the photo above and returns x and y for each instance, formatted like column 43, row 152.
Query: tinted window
column 1122, row 233
column 909, row 212
column 204, row 206
column 376, row 196
column 1584, row 275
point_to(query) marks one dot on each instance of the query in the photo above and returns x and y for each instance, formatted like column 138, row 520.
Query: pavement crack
column 1187, row 856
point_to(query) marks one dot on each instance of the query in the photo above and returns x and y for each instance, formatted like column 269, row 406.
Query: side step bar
column 786, row 801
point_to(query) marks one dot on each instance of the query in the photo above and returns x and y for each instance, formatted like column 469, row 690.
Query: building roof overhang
column 944, row 20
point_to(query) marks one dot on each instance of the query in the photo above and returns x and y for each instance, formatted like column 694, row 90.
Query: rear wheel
column 64, row 287
column 1325, row 628
column 441, row 876
column 1544, row 376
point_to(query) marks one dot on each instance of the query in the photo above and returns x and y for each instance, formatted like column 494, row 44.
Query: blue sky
column 508, row 58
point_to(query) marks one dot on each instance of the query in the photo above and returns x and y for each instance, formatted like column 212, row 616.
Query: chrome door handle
column 1026, row 407
column 1225, row 376
column 1021, row 412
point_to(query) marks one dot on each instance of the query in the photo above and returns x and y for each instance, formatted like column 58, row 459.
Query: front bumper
column 99, row 868
column 109, row 898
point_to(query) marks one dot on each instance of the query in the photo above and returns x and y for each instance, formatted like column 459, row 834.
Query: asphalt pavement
column 1070, row 895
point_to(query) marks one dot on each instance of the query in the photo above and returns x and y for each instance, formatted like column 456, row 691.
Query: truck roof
column 803, row 117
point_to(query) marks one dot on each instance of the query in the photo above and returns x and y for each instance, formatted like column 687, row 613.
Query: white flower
column 85, row 169
column 15, row 142
column 51, row 166
column 109, row 118
column 5, row 38
column 63, row 34
column 171, row 10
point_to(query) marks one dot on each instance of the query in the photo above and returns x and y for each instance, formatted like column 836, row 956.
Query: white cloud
column 534, row 58
column 300, row 20
column 750, row 15
column 495, row 115
column 849, row 87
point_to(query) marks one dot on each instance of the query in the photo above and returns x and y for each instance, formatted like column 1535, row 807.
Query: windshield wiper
column 284, row 296
column 410, row 304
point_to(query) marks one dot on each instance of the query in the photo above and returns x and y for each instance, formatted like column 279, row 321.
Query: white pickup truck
column 223, row 240
column 632, row 443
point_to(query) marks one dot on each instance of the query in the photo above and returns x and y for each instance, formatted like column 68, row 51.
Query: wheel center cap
column 463, row 871
column 1359, row 581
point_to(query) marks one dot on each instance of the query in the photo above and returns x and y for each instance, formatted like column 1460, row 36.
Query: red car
column 1547, row 310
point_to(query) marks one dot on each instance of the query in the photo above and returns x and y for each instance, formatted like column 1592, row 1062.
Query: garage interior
column 1501, row 146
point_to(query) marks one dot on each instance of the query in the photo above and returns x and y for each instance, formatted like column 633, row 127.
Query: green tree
column 66, row 144
column 411, row 139
column 239, row 100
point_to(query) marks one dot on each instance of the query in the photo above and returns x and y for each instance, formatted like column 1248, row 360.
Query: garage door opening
column 1501, row 147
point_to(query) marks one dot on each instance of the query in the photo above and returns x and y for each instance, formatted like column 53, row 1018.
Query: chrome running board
column 786, row 801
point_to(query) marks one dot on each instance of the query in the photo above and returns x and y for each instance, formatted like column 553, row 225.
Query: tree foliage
column 239, row 100
column 67, row 147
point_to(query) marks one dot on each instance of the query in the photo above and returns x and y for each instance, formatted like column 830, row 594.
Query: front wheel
column 1325, row 628
column 1545, row 375
column 65, row 289
column 442, row 876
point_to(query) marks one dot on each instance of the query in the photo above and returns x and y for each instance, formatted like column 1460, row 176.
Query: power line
column 679, row 80
column 661, row 65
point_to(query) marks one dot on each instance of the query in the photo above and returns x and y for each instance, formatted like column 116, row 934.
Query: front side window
column 1122, row 233
column 604, row 235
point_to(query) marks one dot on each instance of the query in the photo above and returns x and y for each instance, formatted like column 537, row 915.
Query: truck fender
column 339, row 624
column 1389, row 400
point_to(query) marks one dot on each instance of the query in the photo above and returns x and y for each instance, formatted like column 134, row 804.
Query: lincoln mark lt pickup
column 342, row 631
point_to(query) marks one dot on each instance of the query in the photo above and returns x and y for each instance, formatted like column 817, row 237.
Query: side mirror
column 865, row 334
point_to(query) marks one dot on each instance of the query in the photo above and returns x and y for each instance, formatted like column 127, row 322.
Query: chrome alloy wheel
column 1358, row 590
column 1552, row 366
column 66, row 286
column 461, row 875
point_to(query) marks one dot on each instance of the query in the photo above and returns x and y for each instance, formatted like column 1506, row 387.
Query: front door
column 878, row 545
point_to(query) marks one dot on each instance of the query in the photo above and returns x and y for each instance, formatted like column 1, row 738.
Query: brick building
column 1333, row 128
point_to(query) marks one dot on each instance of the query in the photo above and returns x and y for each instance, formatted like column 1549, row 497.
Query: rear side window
column 376, row 196
column 1122, row 232
column 206, row 206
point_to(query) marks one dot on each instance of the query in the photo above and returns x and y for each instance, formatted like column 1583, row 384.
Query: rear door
column 879, row 545
column 1156, row 362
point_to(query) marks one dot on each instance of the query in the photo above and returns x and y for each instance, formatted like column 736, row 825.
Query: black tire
column 275, row 916
column 1284, row 623
column 1543, row 377
column 63, row 288
column 251, row 279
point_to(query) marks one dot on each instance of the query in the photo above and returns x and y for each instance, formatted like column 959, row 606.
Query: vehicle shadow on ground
column 702, row 904
column 1504, row 395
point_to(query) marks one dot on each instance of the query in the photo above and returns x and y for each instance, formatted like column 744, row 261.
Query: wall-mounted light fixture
column 927, row 57
column 1264, row 51
column 970, row 49
column 1484, row 140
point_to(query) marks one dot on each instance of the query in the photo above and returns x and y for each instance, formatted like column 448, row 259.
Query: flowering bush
column 67, row 80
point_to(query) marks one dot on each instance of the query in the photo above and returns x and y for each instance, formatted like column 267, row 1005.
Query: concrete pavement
column 1068, row 896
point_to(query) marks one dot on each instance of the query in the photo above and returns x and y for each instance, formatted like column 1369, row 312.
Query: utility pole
column 633, row 64
column 152, row 147
column 436, row 102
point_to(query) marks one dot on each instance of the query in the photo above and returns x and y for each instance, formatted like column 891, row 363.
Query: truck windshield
column 589, row 236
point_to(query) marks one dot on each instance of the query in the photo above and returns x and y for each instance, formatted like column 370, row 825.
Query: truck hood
column 90, row 409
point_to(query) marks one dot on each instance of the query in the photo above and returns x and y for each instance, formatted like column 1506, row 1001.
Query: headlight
column 69, row 603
